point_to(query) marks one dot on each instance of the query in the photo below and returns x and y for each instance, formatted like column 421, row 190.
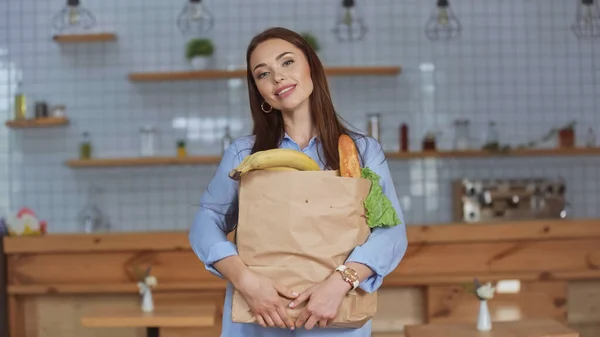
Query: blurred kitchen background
column 123, row 127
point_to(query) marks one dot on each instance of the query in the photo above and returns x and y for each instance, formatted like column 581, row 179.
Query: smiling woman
column 283, row 72
column 292, row 109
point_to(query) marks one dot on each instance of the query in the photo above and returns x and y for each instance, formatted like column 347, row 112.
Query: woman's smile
column 285, row 91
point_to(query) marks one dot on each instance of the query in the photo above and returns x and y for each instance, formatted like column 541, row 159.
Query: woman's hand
column 324, row 300
column 262, row 296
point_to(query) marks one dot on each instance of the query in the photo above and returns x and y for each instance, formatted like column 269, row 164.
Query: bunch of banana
column 276, row 160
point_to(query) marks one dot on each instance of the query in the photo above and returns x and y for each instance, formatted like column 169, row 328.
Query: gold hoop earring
column 262, row 106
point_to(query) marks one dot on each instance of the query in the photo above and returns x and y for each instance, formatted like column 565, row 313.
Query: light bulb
column 442, row 24
column 195, row 18
column 73, row 18
column 349, row 24
column 587, row 21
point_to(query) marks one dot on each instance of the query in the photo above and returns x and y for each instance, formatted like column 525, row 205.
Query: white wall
column 516, row 63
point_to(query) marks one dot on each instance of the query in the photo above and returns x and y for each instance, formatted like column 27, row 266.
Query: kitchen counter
column 545, row 255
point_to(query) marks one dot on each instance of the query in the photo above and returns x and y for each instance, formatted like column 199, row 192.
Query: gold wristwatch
column 349, row 275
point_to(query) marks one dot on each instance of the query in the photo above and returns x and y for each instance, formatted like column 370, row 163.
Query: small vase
column 147, row 301
column 484, row 320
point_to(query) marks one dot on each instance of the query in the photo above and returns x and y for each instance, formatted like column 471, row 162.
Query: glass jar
column 492, row 138
column 462, row 134
column 90, row 218
column 147, row 141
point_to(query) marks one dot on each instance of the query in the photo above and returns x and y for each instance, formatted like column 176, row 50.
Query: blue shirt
column 217, row 216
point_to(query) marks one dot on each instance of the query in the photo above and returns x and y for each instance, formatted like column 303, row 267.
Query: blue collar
column 311, row 143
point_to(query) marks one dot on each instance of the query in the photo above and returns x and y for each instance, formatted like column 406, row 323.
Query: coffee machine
column 489, row 200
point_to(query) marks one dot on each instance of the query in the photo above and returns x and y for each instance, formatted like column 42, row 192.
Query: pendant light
column 73, row 18
column 443, row 23
column 587, row 20
column 195, row 19
column 349, row 23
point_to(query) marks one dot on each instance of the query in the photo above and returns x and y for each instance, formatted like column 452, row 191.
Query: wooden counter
column 545, row 257
column 527, row 328
column 3, row 293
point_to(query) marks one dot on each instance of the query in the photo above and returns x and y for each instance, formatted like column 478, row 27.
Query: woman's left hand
column 324, row 300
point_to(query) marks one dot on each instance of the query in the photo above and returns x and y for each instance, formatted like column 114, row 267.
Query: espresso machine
column 490, row 200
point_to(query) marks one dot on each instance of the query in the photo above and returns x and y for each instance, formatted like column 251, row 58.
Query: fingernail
column 294, row 294
column 292, row 328
column 291, row 305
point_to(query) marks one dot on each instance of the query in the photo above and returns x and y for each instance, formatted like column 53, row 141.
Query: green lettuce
column 379, row 209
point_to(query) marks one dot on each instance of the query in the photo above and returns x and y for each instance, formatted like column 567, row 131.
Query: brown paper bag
column 296, row 227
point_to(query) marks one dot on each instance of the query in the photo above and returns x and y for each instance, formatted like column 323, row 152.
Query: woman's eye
column 288, row 62
column 261, row 75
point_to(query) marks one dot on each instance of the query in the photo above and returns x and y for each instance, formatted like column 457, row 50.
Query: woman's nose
column 279, row 77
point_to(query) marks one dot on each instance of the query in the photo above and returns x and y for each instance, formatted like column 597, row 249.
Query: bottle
column 590, row 138
column 374, row 126
column 404, row 138
column 181, row 151
column 226, row 141
column 85, row 148
column 20, row 102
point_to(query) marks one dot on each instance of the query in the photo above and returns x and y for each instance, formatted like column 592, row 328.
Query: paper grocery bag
column 296, row 227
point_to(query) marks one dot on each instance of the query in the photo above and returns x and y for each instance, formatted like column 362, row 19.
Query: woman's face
column 282, row 74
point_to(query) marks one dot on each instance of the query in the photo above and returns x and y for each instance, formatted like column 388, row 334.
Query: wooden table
column 524, row 328
column 180, row 317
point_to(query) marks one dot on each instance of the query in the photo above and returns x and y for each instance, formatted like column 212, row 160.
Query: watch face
column 350, row 275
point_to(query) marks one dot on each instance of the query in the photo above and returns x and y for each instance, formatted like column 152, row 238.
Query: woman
column 291, row 108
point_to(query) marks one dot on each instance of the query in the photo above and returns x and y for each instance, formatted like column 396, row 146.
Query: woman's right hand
column 262, row 296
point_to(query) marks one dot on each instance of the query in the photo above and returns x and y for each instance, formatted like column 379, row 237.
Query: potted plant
column 199, row 51
column 312, row 41
column 181, row 151
column 566, row 135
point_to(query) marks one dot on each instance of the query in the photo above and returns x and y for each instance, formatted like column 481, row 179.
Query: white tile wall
column 516, row 63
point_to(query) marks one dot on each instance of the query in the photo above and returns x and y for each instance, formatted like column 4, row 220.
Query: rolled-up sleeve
column 386, row 246
column 217, row 215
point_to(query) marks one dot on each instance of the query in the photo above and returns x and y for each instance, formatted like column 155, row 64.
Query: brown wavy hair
column 268, row 128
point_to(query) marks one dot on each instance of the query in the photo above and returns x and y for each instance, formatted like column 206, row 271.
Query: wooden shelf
column 556, row 152
column 37, row 123
column 77, row 38
column 205, row 160
column 241, row 73
column 143, row 161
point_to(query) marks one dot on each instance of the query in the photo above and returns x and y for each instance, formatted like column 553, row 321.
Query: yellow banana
column 275, row 158
column 281, row 168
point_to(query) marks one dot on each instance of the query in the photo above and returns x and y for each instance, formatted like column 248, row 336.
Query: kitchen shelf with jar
column 241, row 73
column 82, row 38
column 210, row 160
column 44, row 122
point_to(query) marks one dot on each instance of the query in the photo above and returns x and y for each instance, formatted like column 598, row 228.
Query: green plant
column 181, row 143
column 199, row 47
column 312, row 41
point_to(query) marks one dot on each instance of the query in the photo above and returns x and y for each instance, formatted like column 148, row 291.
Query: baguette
column 349, row 162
